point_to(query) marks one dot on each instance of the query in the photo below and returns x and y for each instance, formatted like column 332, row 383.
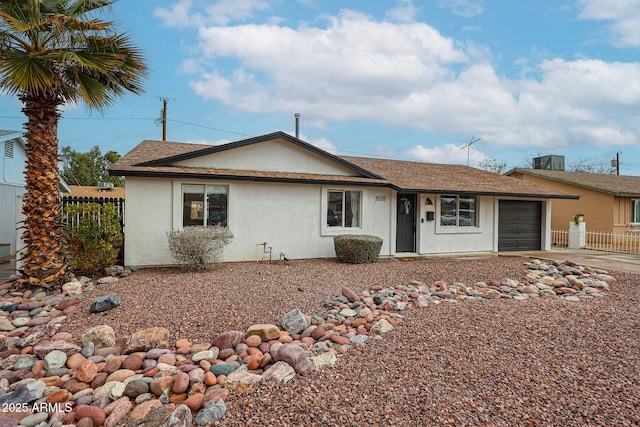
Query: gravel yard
column 491, row 363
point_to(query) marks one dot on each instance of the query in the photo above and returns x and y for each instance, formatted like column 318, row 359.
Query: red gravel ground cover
column 543, row 362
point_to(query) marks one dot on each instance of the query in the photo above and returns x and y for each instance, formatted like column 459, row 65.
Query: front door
column 406, row 223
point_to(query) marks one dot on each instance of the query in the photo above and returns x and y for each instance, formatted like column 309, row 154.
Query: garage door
column 519, row 226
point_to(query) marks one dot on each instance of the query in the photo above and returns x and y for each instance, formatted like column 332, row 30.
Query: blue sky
column 413, row 80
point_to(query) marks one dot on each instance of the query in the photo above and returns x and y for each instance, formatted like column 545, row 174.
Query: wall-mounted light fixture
column 428, row 202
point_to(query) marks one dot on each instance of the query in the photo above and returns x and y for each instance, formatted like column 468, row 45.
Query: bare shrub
column 199, row 247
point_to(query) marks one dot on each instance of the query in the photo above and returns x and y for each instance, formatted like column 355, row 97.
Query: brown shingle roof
column 619, row 185
column 440, row 178
column 399, row 174
column 82, row 191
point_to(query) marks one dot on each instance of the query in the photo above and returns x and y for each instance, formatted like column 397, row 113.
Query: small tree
column 88, row 168
column 93, row 239
column 199, row 247
column 492, row 165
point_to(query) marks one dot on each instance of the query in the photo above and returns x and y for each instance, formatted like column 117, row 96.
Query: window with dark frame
column 204, row 204
column 343, row 208
column 458, row 211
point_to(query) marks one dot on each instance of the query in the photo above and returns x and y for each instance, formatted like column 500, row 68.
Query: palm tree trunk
column 43, row 260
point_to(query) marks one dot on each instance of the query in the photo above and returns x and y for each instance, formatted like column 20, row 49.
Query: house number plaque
column 380, row 198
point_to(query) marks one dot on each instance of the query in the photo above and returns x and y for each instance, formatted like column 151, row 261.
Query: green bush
column 93, row 238
column 199, row 247
column 357, row 249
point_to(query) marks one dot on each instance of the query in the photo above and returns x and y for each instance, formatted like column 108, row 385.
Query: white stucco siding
column 437, row 239
column 148, row 216
column 273, row 156
column 379, row 207
column 286, row 217
column 290, row 218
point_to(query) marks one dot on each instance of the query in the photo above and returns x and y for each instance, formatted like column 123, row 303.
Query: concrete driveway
column 597, row 259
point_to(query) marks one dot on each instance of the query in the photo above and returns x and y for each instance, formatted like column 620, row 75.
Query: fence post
column 577, row 235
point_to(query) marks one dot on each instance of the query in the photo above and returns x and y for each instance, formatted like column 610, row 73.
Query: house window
column 458, row 211
column 635, row 210
column 204, row 205
column 343, row 208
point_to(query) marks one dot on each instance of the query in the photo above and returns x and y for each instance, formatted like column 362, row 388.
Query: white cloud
column 623, row 15
column 322, row 143
column 224, row 11
column 183, row 13
column 176, row 16
column 406, row 11
column 465, row 8
column 448, row 154
column 384, row 152
column 344, row 71
column 358, row 69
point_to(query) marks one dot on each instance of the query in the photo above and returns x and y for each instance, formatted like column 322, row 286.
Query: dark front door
column 406, row 223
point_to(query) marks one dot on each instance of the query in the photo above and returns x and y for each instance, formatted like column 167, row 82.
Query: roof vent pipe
column 297, row 116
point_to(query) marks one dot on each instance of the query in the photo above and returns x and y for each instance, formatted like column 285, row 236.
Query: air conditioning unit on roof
column 105, row 186
column 551, row 162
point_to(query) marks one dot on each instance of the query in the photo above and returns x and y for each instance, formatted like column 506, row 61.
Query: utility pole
column 616, row 163
column 164, row 119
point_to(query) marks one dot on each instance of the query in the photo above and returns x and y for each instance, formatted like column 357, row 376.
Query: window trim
column 205, row 186
column 635, row 211
column 457, row 211
column 457, row 229
column 325, row 229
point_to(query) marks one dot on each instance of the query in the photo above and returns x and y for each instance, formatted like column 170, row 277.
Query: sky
column 405, row 79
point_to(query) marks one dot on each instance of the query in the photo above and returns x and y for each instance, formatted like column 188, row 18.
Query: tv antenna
column 472, row 141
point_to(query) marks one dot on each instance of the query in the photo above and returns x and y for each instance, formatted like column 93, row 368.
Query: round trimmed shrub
column 357, row 248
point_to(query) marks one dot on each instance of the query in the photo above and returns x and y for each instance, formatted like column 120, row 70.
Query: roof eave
column 147, row 174
column 576, row 184
column 382, row 184
column 485, row 193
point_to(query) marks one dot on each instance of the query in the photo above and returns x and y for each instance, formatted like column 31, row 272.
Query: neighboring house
column 11, row 188
column 91, row 193
column 101, row 194
column 610, row 203
column 279, row 190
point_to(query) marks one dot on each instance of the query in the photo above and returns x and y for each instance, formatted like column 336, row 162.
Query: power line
column 209, row 127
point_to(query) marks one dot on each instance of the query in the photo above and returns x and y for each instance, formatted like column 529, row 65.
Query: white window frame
column 457, row 229
column 457, row 216
column 336, row 230
column 635, row 209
